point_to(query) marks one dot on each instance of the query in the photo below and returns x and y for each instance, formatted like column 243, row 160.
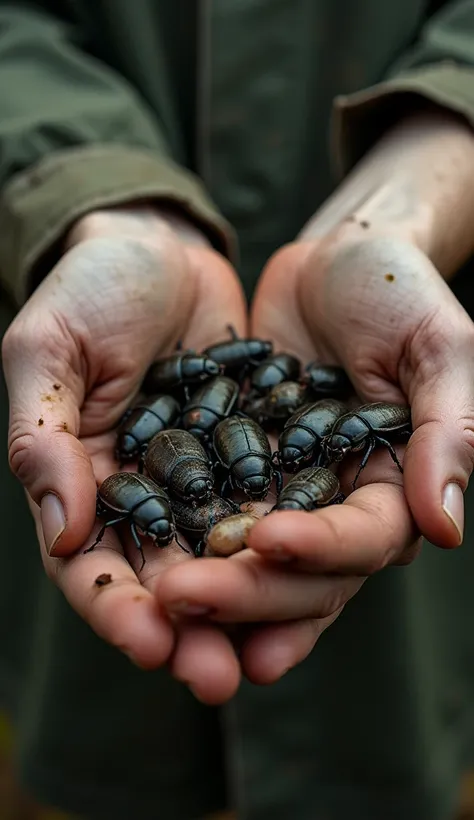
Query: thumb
column 440, row 454
column 45, row 454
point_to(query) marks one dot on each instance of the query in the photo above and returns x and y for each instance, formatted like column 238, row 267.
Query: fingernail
column 53, row 520
column 453, row 506
column 185, row 608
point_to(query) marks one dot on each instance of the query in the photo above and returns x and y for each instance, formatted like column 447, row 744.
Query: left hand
column 401, row 339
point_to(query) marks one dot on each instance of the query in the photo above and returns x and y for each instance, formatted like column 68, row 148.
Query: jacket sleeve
column 74, row 136
column 438, row 69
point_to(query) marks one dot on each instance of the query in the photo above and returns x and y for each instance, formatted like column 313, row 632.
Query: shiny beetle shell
column 243, row 449
column 309, row 489
column 283, row 400
column 327, row 381
column 175, row 459
column 299, row 444
column 237, row 354
column 144, row 421
column 280, row 367
column 229, row 535
column 137, row 499
column 194, row 522
column 210, row 404
column 179, row 370
column 370, row 426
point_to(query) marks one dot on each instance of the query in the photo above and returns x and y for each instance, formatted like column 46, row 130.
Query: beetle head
column 291, row 459
column 211, row 368
column 127, row 448
column 337, row 447
column 161, row 532
column 199, row 491
column 256, row 487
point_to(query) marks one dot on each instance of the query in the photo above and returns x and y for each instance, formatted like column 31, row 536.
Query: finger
column 103, row 589
column 206, row 661
column 440, row 453
column 244, row 588
column 271, row 651
column 373, row 528
column 44, row 452
column 220, row 301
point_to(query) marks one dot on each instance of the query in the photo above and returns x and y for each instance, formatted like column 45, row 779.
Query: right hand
column 129, row 287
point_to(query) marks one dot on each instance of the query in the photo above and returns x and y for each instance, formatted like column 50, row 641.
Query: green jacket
column 244, row 114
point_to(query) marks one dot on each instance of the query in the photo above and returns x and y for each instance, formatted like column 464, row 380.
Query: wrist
column 139, row 221
column 416, row 184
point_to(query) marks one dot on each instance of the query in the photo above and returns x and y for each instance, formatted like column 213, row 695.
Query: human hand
column 127, row 289
column 330, row 301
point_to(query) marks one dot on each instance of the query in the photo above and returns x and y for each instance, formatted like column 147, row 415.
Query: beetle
column 326, row 381
column 229, row 535
column 309, row 489
column 143, row 422
column 211, row 403
column 195, row 522
column 280, row 367
column 179, row 371
column 238, row 355
column 364, row 429
column 138, row 500
column 282, row 401
column 175, row 459
column 242, row 449
column 299, row 444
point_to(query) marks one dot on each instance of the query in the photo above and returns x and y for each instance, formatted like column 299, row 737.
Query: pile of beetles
column 199, row 435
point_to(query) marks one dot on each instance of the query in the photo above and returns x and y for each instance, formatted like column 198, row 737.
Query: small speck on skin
column 47, row 397
column 103, row 579
column 56, row 386
column 40, row 422
column 364, row 224
column 64, row 426
column 139, row 598
column 389, row 277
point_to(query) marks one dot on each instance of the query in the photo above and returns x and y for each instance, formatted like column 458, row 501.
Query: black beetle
column 299, row 444
column 309, row 489
column 238, row 355
column 242, row 448
column 175, row 459
column 211, row 403
column 179, row 371
column 280, row 367
column 196, row 522
column 326, row 381
column 143, row 422
column 275, row 409
column 137, row 499
column 368, row 427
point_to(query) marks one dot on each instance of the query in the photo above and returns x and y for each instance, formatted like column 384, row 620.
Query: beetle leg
column 102, row 531
column 136, row 538
column 339, row 499
column 199, row 548
column 390, row 450
column 186, row 391
column 241, row 414
column 180, row 544
column 279, row 480
column 233, row 332
column 227, row 486
column 363, row 463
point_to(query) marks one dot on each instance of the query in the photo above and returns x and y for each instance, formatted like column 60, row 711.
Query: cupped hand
column 378, row 307
column 125, row 292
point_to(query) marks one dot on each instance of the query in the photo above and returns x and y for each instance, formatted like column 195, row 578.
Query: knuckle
column 22, row 455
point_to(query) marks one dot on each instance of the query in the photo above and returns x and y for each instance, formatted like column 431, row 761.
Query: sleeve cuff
column 360, row 119
column 38, row 206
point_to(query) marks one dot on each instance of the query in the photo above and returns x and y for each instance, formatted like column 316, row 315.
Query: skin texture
column 360, row 287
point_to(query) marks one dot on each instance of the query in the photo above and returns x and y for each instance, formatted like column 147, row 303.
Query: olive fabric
column 242, row 114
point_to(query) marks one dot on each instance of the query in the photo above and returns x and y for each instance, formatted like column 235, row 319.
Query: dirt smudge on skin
column 40, row 422
column 103, row 580
column 389, row 277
